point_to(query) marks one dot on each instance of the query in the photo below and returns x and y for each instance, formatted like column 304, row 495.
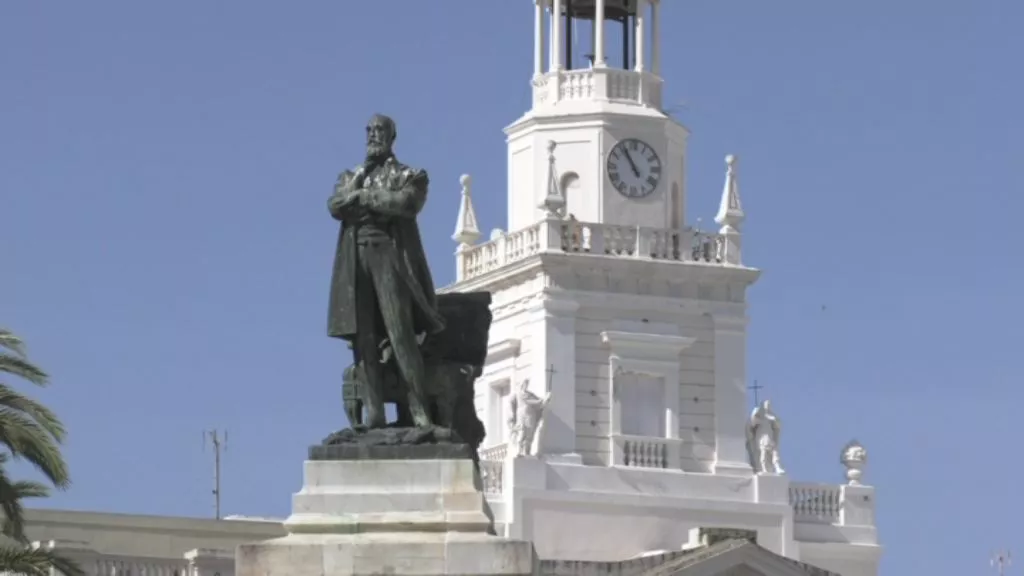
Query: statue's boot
column 372, row 389
column 418, row 412
column 375, row 415
column 776, row 465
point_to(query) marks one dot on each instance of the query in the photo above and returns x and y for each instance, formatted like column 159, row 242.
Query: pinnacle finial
column 730, row 210
column 466, row 230
column 553, row 201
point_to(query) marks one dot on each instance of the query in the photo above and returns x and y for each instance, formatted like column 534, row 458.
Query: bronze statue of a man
column 382, row 295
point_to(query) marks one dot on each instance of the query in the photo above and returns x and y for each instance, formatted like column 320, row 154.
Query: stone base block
column 394, row 517
column 409, row 554
column 376, row 496
column 772, row 488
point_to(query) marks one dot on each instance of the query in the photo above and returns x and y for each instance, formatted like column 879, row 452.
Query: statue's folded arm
column 406, row 202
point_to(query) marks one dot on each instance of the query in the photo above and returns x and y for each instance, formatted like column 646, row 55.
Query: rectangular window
column 497, row 429
column 642, row 401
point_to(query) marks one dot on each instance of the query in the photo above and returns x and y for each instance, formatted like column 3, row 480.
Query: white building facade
column 632, row 321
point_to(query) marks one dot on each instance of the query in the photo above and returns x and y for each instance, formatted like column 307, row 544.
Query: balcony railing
column 598, row 84
column 646, row 452
column 495, row 453
column 119, row 567
column 193, row 563
column 492, row 475
column 818, row 503
column 571, row 236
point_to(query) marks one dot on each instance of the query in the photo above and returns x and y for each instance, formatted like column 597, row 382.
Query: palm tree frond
column 11, row 494
column 13, row 525
column 28, row 440
column 19, row 366
column 31, row 489
column 11, row 398
column 11, row 342
column 36, row 562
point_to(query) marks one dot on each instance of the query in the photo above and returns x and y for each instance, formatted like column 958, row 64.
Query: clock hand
column 632, row 164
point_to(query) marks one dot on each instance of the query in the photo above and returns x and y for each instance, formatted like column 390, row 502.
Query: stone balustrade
column 842, row 505
column 492, row 475
column 197, row 562
column 571, row 236
column 498, row 452
column 818, row 503
column 645, row 452
column 598, row 84
column 107, row 566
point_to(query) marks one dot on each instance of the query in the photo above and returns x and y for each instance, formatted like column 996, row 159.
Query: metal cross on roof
column 1001, row 561
column 755, row 387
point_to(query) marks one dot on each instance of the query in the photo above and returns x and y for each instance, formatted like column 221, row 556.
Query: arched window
column 569, row 185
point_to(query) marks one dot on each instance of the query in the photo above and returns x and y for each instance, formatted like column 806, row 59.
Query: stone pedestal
column 390, row 516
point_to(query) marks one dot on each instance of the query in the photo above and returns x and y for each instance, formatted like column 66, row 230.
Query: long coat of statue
column 406, row 192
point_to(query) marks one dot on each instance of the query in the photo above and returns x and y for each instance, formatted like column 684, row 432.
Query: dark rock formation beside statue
column 453, row 359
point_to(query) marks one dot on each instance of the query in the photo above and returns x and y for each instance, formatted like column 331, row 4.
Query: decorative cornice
column 499, row 351
column 554, row 306
column 630, row 343
column 729, row 321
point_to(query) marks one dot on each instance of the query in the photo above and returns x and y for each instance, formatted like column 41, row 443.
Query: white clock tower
column 620, row 158
column 634, row 323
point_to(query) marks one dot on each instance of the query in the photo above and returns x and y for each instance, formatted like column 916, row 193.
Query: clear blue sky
column 166, row 246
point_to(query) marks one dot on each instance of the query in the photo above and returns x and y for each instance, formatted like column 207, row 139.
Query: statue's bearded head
column 380, row 137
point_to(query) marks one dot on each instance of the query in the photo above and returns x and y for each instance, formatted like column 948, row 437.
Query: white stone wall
column 696, row 395
column 582, row 150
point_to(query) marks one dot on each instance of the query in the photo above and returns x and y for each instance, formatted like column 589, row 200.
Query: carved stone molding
column 640, row 345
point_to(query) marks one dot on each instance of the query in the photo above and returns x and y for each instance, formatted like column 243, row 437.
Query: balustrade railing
column 600, row 84
column 492, row 475
column 645, row 452
column 122, row 567
column 496, row 453
column 816, row 503
column 571, row 236
column 193, row 563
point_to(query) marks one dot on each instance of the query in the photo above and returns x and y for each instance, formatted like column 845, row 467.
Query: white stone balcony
column 646, row 452
column 495, row 453
column 821, row 513
column 597, row 85
column 824, row 512
column 611, row 240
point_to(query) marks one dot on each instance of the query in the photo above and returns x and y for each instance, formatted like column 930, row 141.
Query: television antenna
column 1001, row 561
column 220, row 443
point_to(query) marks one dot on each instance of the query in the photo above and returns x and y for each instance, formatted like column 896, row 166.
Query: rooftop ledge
column 821, row 512
column 687, row 246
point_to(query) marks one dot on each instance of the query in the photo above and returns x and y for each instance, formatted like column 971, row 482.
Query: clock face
column 634, row 168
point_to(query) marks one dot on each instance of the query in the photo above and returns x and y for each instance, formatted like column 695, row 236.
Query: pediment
column 736, row 558
column 743, row 570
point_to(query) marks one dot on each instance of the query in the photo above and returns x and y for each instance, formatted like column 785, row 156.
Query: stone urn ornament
column 854, row 457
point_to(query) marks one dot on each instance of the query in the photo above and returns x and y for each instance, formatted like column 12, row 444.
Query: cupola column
column 555, row 47
column 656, row 37
column 640, row 36
column 599, row 60
column 538, row 36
